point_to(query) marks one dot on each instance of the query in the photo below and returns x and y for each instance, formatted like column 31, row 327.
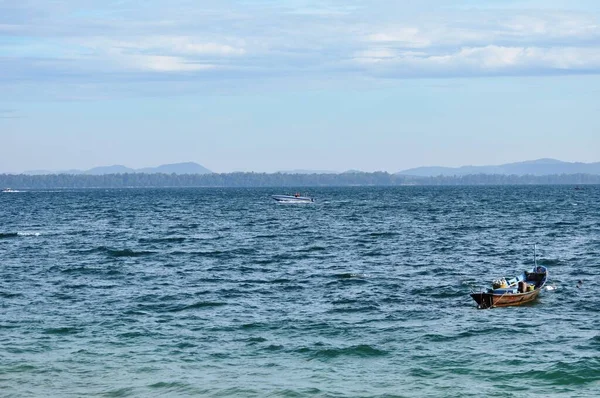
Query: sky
column 273, row 85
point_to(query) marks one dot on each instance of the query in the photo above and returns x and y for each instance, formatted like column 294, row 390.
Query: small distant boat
column 9, row 190
column 296, row 198
column 519, row 290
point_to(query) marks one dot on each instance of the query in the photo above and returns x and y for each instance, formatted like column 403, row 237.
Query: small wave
column 373, row 253
column 171, row 387
column 185, row 226
column 200, row 304
column 210, row 254
column 255, row 340
column 62, row 331
column 281, row 257
column 474, row 228
column 28, row 234
column 207, row 237
column 81, row 232
column 274, row 347
column 442, row 338
column 76, row 286
column 128, row 253
column 565, row 223
column 224, row 254
column 383, row 234
column 358, row 351
column 254, row 326
column 281, row 280
column 562, row 373
column 349, row 309
column 345, row 301
column 20, row 368
column 117, row 252
column 299, row 392
column 592, row 343
column 10, row 295
column 444, row 292
column 65, row 297
column 350, row 275
column 163, row 384
column 80, row 269
column 291, row 288
column 244, row 251
column 548, row 261
column 311, row 249
column 120, row 392
column 185, row 344
column 350, row 281
column 171, row 239
column 9, row 235
column 265, row 261
column 133, row 335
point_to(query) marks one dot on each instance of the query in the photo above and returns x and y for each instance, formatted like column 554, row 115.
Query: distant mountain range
column 538, row 167
column 175, row 168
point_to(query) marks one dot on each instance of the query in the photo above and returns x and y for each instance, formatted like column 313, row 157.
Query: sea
column 212, row 292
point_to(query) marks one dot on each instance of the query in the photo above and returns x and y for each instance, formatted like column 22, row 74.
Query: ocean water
column 364, row 293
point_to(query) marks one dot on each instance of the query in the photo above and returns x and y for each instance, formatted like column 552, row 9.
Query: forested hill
column 141, row 180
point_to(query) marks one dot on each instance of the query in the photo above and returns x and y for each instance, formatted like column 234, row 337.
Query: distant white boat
column 9, row 190
column 297, row 198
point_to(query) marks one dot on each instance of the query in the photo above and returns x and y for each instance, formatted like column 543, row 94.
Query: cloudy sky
column 267, row 85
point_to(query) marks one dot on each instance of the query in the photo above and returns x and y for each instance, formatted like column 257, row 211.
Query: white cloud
column 162, row 63
column 179, row 45
column 301, row 40
column 544, row 29
column 408, row 36
column 483, row 43
column 377, row 53
column 490, row 59
column 552, row 26
column 158, row 53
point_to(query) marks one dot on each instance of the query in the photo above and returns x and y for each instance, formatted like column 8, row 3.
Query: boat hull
column 292, row 199
column 491, row 300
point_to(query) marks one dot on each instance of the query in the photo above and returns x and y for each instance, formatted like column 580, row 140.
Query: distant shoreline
column 249, row 180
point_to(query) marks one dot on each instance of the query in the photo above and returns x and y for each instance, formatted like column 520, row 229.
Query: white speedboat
column 9, row 190
column 296, row 198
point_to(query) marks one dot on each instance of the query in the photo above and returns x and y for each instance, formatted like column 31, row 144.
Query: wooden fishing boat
column 519, row 290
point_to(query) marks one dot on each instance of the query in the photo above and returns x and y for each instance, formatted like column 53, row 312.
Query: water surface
column 224, row 292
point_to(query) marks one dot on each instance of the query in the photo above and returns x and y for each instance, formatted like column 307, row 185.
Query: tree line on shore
column 141, row 180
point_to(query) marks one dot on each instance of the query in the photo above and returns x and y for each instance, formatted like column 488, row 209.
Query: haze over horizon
column 271, row 86
column 544, row 166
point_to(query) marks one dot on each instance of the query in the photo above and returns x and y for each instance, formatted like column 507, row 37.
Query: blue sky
column 298, row 84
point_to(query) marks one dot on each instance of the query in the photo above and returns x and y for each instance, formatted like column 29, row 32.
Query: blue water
column 364, row 293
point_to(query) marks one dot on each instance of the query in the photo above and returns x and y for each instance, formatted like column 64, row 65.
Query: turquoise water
column 224, row 292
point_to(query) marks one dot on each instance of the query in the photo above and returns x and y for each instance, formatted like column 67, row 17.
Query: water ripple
column 222, row 292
